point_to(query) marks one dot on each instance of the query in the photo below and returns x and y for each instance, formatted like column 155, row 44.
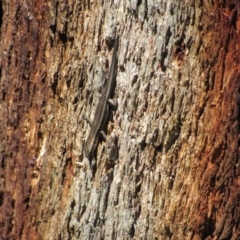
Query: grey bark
column 170, row 169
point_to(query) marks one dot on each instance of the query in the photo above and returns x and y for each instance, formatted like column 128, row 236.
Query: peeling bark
column 170, row 169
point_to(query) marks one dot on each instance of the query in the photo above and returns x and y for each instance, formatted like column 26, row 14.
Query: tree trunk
column 169, row 168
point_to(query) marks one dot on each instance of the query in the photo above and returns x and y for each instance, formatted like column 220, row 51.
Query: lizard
column 101, row 113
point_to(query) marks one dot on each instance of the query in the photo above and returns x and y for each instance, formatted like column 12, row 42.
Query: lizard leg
column 113, row 102
column 87, row 119
column 103, row 135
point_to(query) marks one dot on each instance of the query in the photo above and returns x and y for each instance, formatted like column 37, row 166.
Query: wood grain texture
column 176, row 128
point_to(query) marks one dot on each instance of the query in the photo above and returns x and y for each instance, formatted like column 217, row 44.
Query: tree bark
column 170, row 167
